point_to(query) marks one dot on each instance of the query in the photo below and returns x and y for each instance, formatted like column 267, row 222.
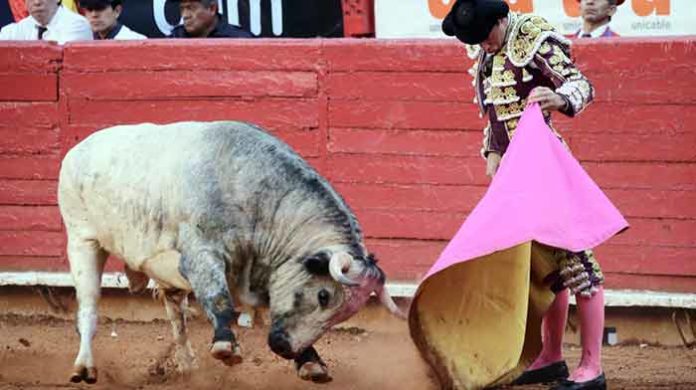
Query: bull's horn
column 340, row 266
column 388, row 301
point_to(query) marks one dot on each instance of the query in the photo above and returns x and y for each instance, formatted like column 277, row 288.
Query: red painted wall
column 390, row 123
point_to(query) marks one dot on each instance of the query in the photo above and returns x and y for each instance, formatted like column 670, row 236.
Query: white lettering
column 160, row 18
column 233, row 12
column 255, row 16
column 652, row 24
column 277, row 17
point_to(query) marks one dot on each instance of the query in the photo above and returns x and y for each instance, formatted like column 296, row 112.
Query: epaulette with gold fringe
column 526, row 37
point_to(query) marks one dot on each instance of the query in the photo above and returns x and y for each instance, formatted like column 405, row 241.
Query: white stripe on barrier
column 613, row 298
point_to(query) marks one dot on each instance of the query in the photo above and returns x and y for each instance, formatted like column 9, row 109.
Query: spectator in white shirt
column 48, row 21
column 103, row 18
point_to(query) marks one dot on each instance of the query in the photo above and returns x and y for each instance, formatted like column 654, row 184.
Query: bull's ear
column 317, row 264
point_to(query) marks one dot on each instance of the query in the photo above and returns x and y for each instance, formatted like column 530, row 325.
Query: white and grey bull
column 223, row 210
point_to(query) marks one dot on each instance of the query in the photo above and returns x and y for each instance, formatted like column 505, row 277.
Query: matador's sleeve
column 482, row 86
column 553, row 59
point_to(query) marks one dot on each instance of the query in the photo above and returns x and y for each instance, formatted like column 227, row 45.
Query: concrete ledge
column 614, row 298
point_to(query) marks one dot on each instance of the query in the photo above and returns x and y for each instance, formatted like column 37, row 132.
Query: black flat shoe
column 549, row 374
column 598, row 383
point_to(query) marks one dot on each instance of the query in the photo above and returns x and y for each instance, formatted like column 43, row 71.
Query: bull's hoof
column 75, row 377
column 82, row 373
column 315, row 372
column 227, row 352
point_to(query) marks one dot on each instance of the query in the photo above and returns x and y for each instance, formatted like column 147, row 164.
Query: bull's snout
column 279, row 341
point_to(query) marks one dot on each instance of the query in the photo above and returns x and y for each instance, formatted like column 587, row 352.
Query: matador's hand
column 547, row 99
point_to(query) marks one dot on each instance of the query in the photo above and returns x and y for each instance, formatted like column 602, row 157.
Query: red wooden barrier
column 391, row 123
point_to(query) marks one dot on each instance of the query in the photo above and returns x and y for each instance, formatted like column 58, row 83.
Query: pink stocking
column 553, row 327
column 591, row 311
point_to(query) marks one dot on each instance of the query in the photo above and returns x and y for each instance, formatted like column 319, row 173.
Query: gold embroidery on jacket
column 505, row 95
column 511, row 126
column 503, row 78
column 499, row 62
column 526, row 76
column 528, row 36
column 559, row 61
column 501, row 82
column 509, row 111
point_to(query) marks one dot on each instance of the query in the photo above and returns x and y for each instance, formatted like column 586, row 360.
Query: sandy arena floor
column 37, row 353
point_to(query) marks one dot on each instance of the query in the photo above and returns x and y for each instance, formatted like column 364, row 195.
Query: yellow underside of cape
column 478, row 323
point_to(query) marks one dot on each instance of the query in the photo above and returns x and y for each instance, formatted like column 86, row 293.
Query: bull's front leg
column 205, row 271
column 310, row 367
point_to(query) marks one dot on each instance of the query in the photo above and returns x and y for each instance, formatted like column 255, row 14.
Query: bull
column 222, row 210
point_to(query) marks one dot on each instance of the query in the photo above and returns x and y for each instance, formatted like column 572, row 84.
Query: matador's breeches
column 578, row 271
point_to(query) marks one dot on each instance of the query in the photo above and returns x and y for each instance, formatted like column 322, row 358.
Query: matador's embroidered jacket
column 533, row 55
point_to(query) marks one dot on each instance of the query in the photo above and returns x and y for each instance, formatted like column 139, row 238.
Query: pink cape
column 540, row 194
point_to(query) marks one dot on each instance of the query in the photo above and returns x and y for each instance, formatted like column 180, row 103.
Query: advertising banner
column 264, row 18
column 634, row 18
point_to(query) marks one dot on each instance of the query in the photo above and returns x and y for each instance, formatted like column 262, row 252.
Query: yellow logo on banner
column 439, row 8
column 571, row 8
column 522, row 6
column 640, row 7
column 649, row 7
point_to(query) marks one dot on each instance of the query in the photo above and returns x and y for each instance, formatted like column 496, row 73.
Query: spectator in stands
column 103, row 18
column 48, row 20
column 202, row 20
column 596, row 15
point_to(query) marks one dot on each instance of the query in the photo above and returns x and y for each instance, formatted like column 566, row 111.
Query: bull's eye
column 323, row 296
